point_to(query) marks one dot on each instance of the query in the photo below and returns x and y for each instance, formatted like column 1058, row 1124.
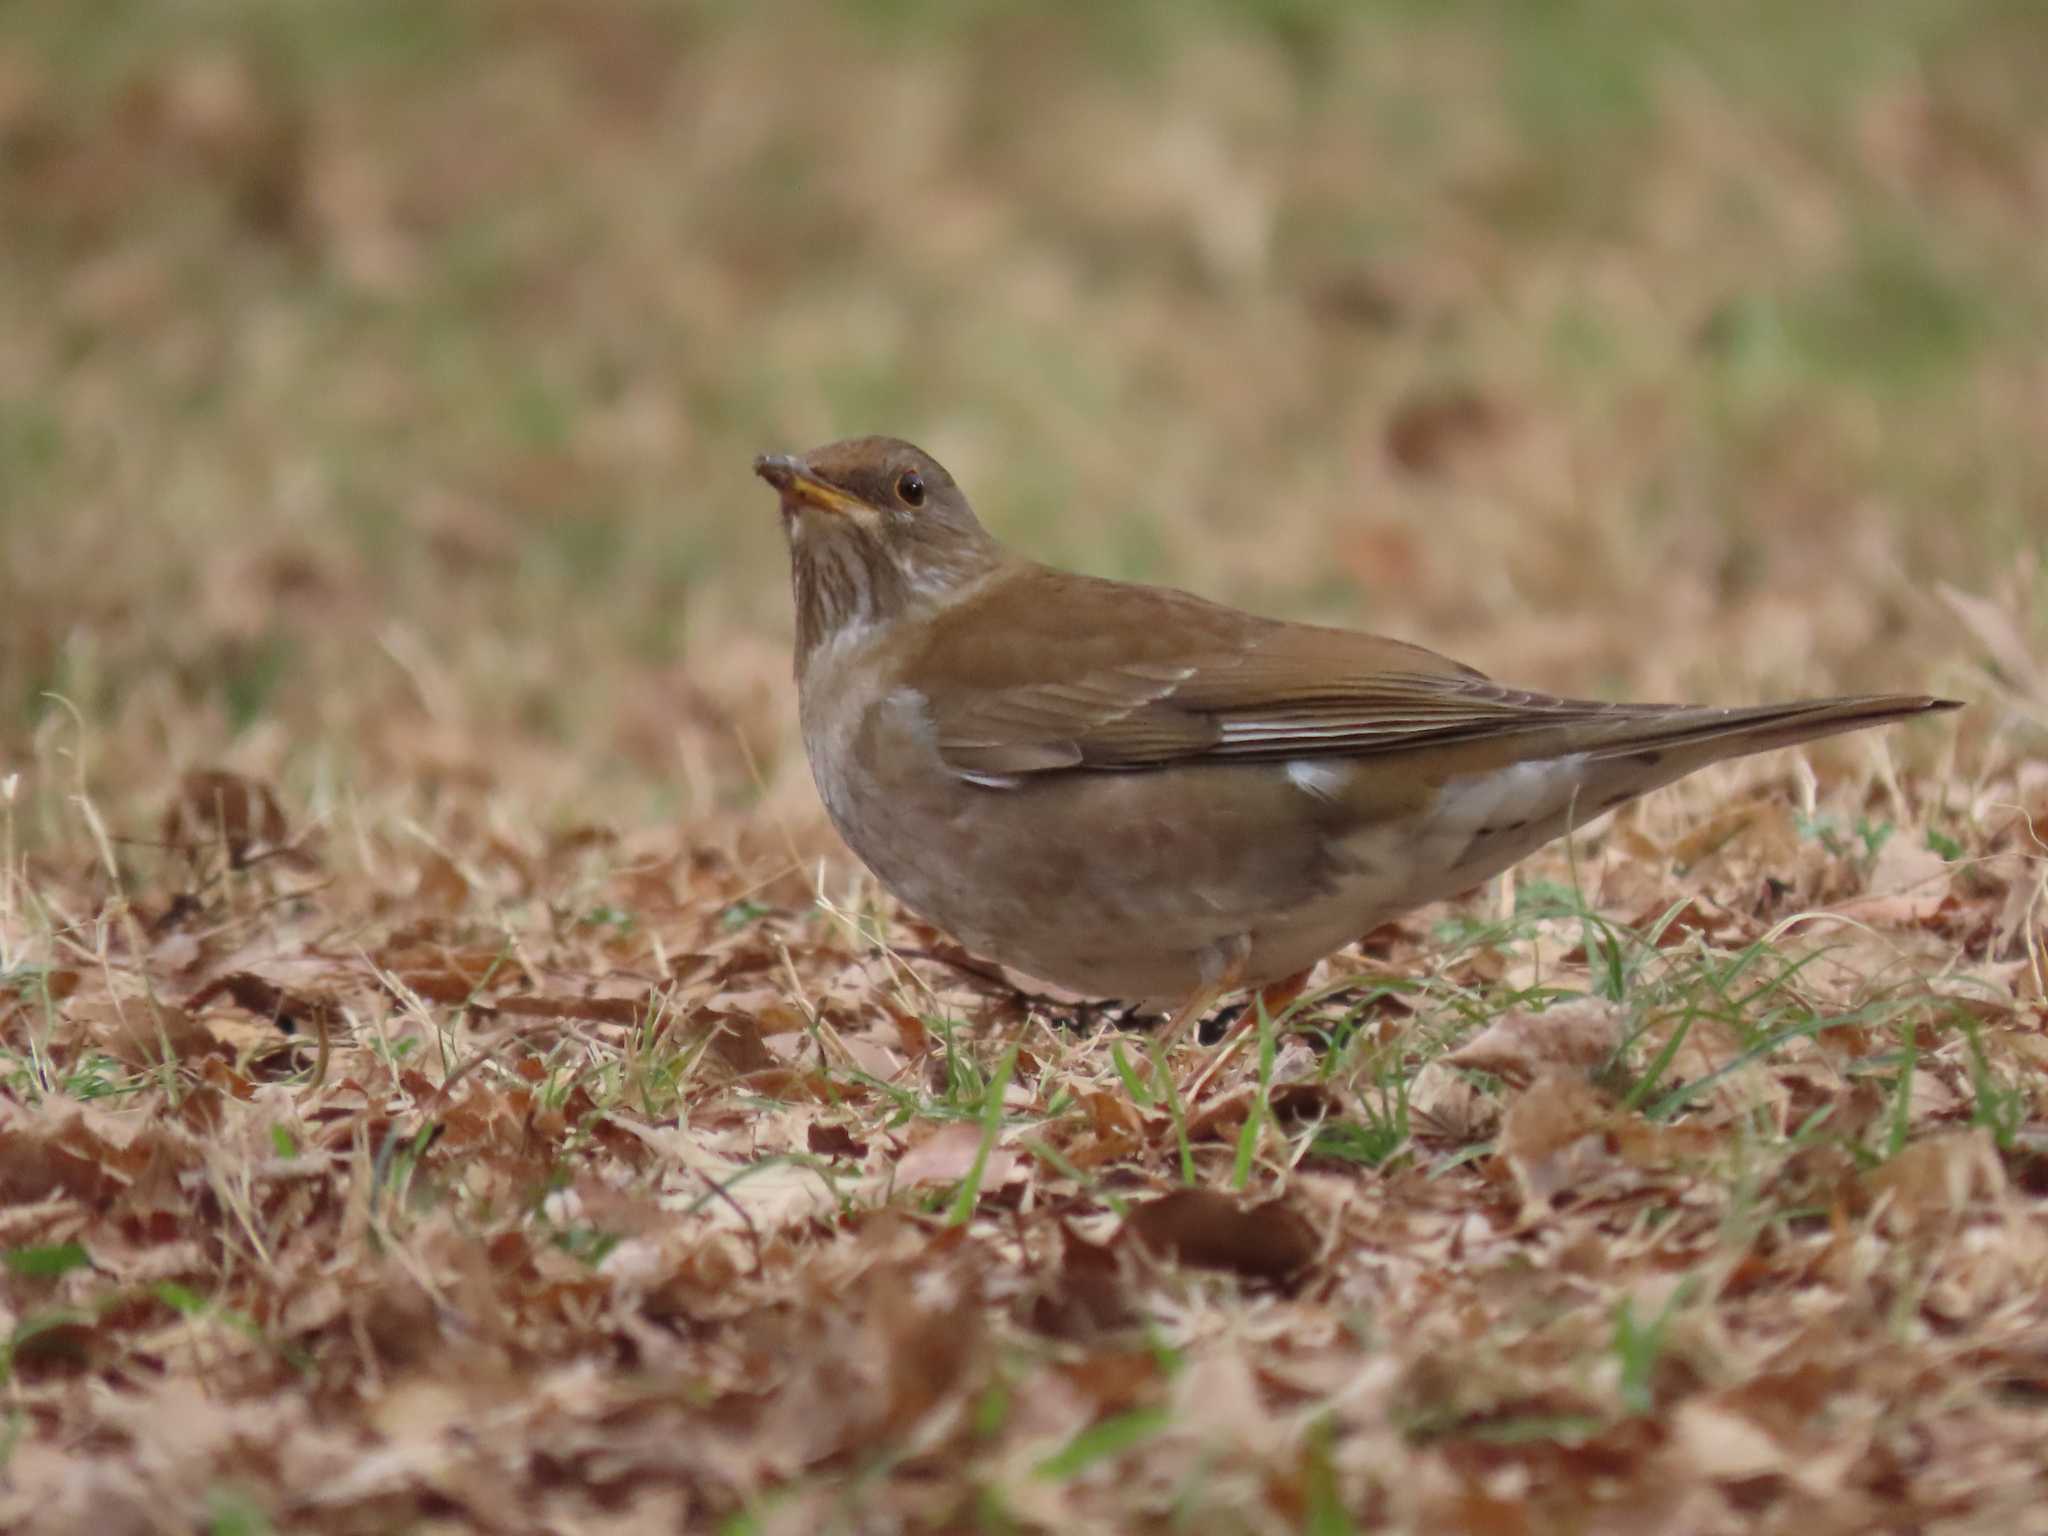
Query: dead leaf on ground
column 948, row 1155
column 1442, row 1103
column 1554, row 1136
column 1428, row 431
column 1931, row 1181
column 594, row 1010
column 1087, row 1293
column 1518, row 1047
column 1675, row 923
column 287, row 1009
column 1206, row 1229
column 833, row 1141
column 144, row 1033
column 1909, row 883
column 216, row 808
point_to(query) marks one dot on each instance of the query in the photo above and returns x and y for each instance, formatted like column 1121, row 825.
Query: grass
column 544, row 1124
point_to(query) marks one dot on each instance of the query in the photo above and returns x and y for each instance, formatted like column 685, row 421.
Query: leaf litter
column 397, row 1210
column 387, row 1143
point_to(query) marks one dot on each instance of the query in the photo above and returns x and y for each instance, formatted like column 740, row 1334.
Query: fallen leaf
column 1206, row 1229
column 1930, row 1181
column 1553, row 1136
column 256, row 994
column 441, row 886
column 1428, row 431
column 947, row 1156
column 1717, row 1443
column 833, row 1141
column 1908, row 883
column 144, row 1033
column 1087, row 1293
column 1518, row 1047
column 215, row 807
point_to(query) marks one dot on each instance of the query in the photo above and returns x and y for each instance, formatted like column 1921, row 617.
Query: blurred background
column 379, row 380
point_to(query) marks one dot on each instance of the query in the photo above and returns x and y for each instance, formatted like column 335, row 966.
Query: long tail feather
column 1756, row 728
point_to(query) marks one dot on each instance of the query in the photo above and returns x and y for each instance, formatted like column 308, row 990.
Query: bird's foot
column 1270, row 1000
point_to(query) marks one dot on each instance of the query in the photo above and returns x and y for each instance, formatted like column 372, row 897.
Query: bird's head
column 876, row 528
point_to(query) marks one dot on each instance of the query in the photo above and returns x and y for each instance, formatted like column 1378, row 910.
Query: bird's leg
column 1223, row 967
column 1269, row 1000
column 1189, row 1013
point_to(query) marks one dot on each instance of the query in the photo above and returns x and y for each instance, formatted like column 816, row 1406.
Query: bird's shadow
column 1080, row 1017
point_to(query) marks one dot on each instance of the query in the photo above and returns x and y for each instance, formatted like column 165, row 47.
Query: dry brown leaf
column 442, row 887
column 1442, row 1102
column 145, row 1033
column 595, row 1010
column 1687, row 919
column 1932, row 1181
column 1519, row 1047
column 1427, row 432
column 216, row 808
column 1554, row 1137
column 1761, row 830
column 948, row 1155
column 1908, row 883
column 833, row 1141
column 288, row 1010
column 1206, row 1229
column 1087, row 1294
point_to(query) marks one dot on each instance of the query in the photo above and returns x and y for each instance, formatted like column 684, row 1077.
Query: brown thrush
column 1131, row 792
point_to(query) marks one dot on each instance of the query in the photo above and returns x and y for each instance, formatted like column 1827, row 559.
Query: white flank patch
column 1524, row 793
column 1318, row 776
column 991, row 780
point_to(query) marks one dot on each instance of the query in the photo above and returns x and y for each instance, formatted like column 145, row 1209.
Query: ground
column 454, row 1080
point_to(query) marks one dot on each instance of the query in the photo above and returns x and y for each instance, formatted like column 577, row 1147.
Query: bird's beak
column 799, row 486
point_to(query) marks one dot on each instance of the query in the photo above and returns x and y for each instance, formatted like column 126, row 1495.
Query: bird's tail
column 1695, row 735
column 1486, row 821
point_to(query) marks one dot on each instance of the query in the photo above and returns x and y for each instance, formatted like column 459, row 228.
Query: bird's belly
column 1135, row 884
column 1109, row 884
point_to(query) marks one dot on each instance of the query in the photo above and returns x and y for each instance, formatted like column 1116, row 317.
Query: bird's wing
column 1030, row 677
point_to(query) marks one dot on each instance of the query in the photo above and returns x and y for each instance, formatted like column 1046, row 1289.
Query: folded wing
column 1025, row 682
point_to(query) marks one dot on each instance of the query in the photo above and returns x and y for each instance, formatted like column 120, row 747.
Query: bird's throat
column 845, row 579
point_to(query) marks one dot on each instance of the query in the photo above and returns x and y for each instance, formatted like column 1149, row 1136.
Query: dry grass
column 453, row 1081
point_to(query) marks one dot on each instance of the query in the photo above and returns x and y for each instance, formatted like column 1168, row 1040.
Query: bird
column 1131, row 792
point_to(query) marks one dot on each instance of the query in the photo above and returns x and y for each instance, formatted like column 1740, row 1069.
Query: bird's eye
column 910, row 489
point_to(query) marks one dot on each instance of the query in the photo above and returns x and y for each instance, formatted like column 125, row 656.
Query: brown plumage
column 1130, row 791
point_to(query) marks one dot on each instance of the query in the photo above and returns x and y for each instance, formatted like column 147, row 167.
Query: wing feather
column 1036, row 678
column 1047, row 672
